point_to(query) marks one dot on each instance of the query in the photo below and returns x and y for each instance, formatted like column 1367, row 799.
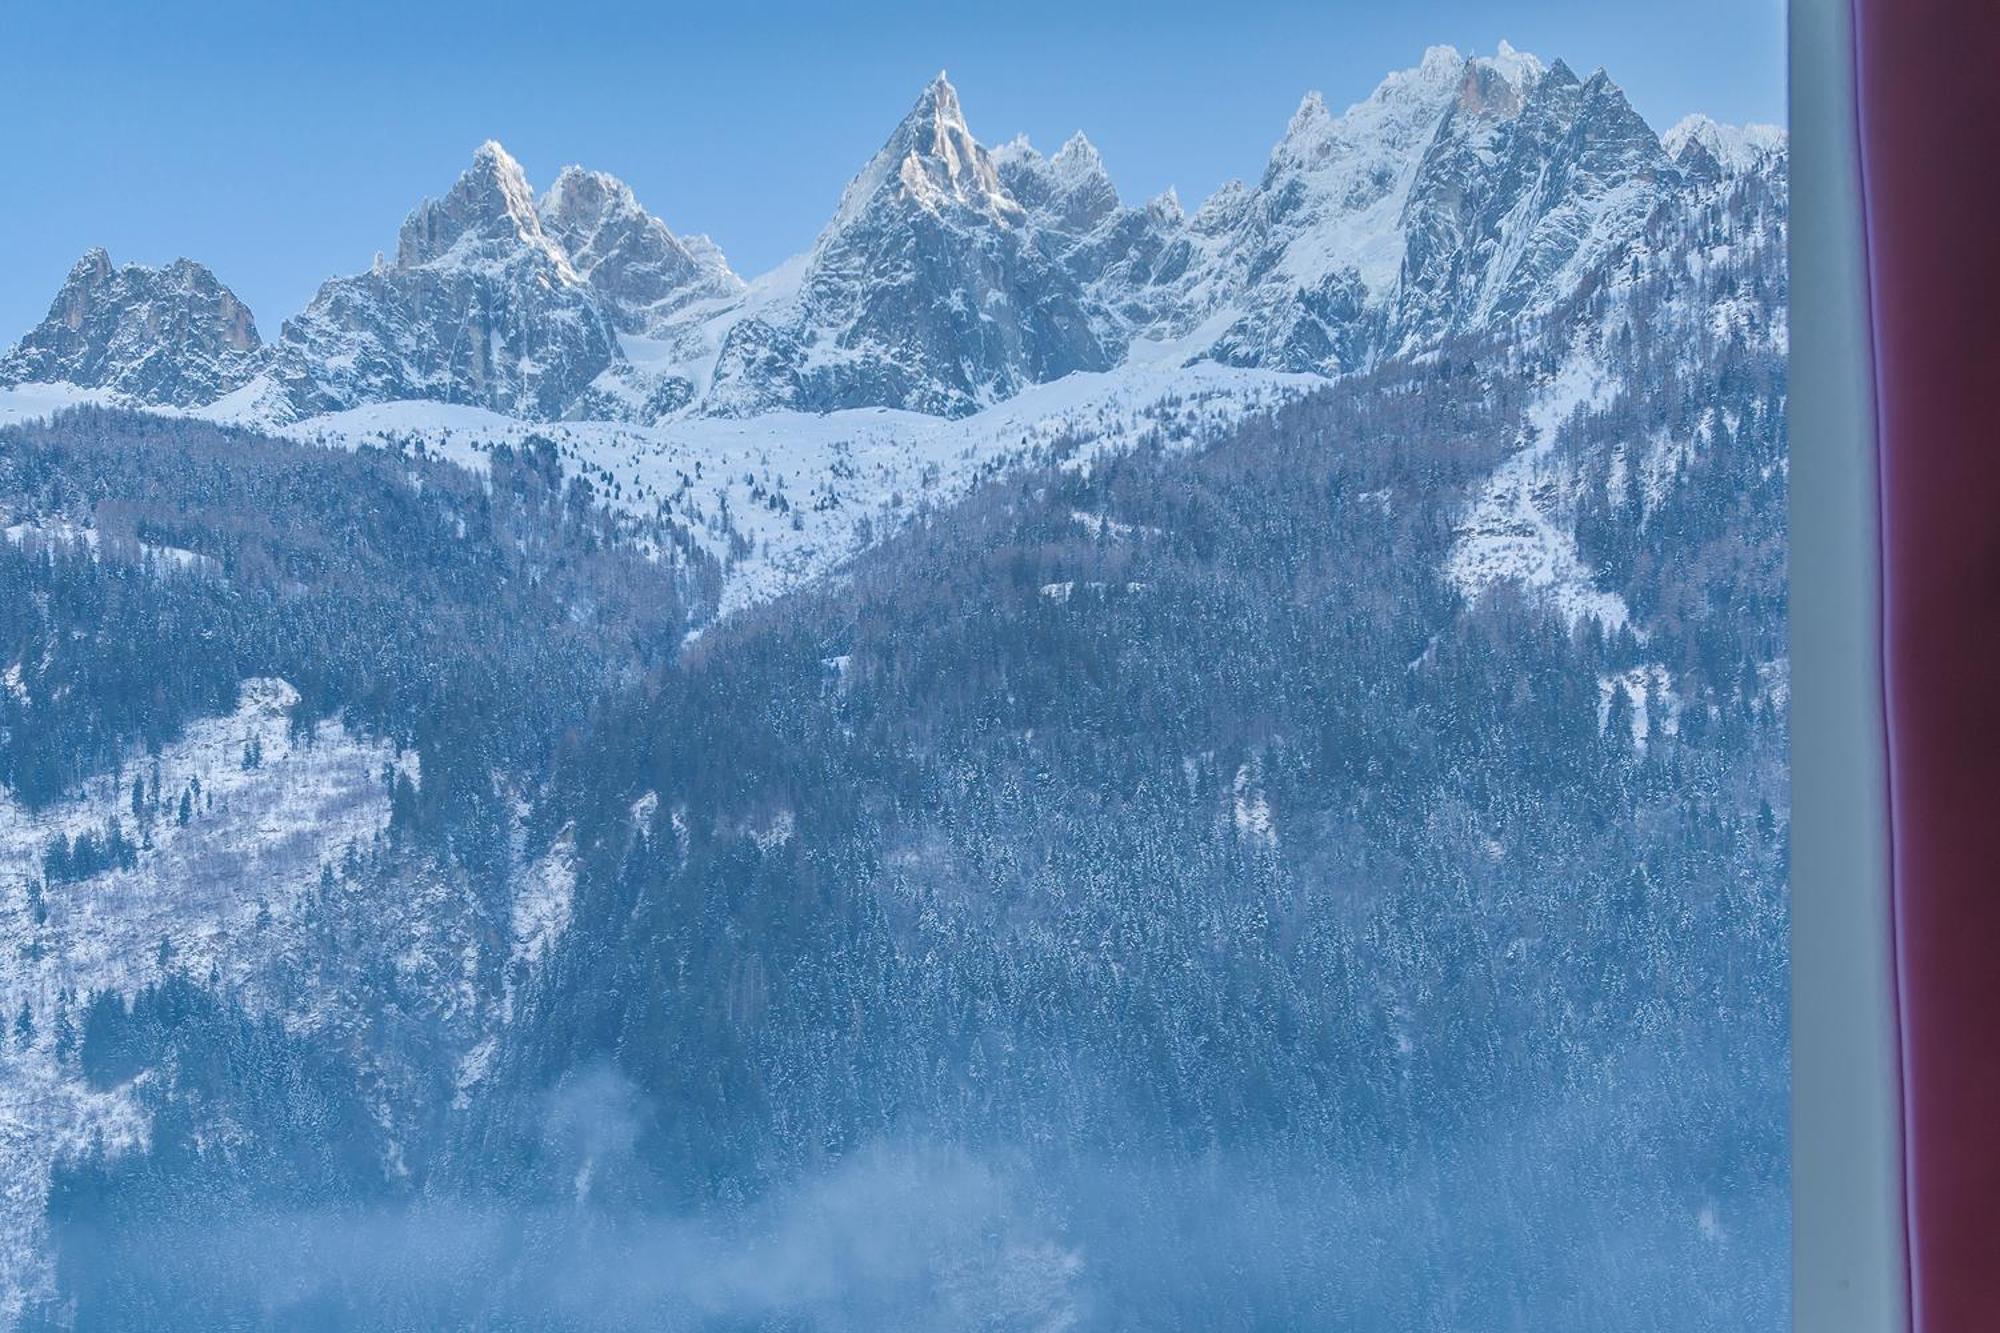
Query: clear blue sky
column 283, row 142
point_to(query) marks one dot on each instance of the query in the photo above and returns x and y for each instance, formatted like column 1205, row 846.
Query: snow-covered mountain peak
column 92, row 269
column 1165, row 207
column 1519, row 194
column 1069, row 191
column 1078, row 160
column 1224, row 205
column 630, row 258
column 172, row 336
column 481, row 307
column 929, row 289
column 1498, row 85
column 1322, row 225
column 1311, row 120
column 930, row 161
column 1733, row 148
column 1519, row 68
column 1461, row 193
column 582, row 197
column 1398, row 116
column 491, row 201
column 1439, row 62
column 1431, row 77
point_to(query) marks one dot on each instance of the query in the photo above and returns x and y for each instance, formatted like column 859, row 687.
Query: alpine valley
column 1051, row 763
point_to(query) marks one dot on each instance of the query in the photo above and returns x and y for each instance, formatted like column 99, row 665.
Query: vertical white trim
column 1847, row 1215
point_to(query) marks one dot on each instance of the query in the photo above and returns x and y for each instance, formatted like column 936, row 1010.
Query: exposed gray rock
column 481, row 307
column 642, row 271
column 926, row 291
column 172, row 336
column 1462, row 197
column 1525, row 188
column 1114, row 252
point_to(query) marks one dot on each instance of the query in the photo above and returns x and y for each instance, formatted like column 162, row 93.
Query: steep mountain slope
column 1295, row 268
column 1113, row 250
column 480, row 306
column 926, row 291
column 172, row 337
column 641, row 270
column 1523, row 193
column 1631, row 404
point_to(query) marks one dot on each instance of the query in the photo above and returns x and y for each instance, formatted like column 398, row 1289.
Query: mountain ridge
column 950, row 276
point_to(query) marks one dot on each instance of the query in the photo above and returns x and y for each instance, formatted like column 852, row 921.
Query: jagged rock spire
column 931, row 161
column 171, row 336
column 491, row 201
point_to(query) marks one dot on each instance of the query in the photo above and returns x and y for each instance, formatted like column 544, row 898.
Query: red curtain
column 1928, row 91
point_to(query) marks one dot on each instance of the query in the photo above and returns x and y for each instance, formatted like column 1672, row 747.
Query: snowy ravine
column 218, row 899
column 1512, row 533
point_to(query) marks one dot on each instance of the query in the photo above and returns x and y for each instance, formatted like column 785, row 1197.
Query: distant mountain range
column 1464, row 195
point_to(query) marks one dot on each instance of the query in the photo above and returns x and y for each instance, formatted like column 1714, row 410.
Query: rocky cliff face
column 480, row 307
column 1461, row 196
column 926, row 291
column 172, row 336
column 640, row 270
column 1526, row 187
column 1296, row 267
column 1114, row 251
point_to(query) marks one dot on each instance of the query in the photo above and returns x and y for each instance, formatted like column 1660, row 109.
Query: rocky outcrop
column 1462, row 197
column 927, row 291
column 481, row 306
column 638, row 268
column 172, row 337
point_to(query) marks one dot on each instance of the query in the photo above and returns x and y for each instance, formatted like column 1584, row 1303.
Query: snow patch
column 207, row 899
column 1513, row 534
column 1648, row 691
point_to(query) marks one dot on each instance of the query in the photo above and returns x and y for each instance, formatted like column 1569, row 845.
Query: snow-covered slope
column 209, row 896
column 237, row 848
column 1704, row 276
column 1462, row 195
column 1514, row 533
column 1295, row 265
column 642, row 271
column 784, row 498
column 1729, row 149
